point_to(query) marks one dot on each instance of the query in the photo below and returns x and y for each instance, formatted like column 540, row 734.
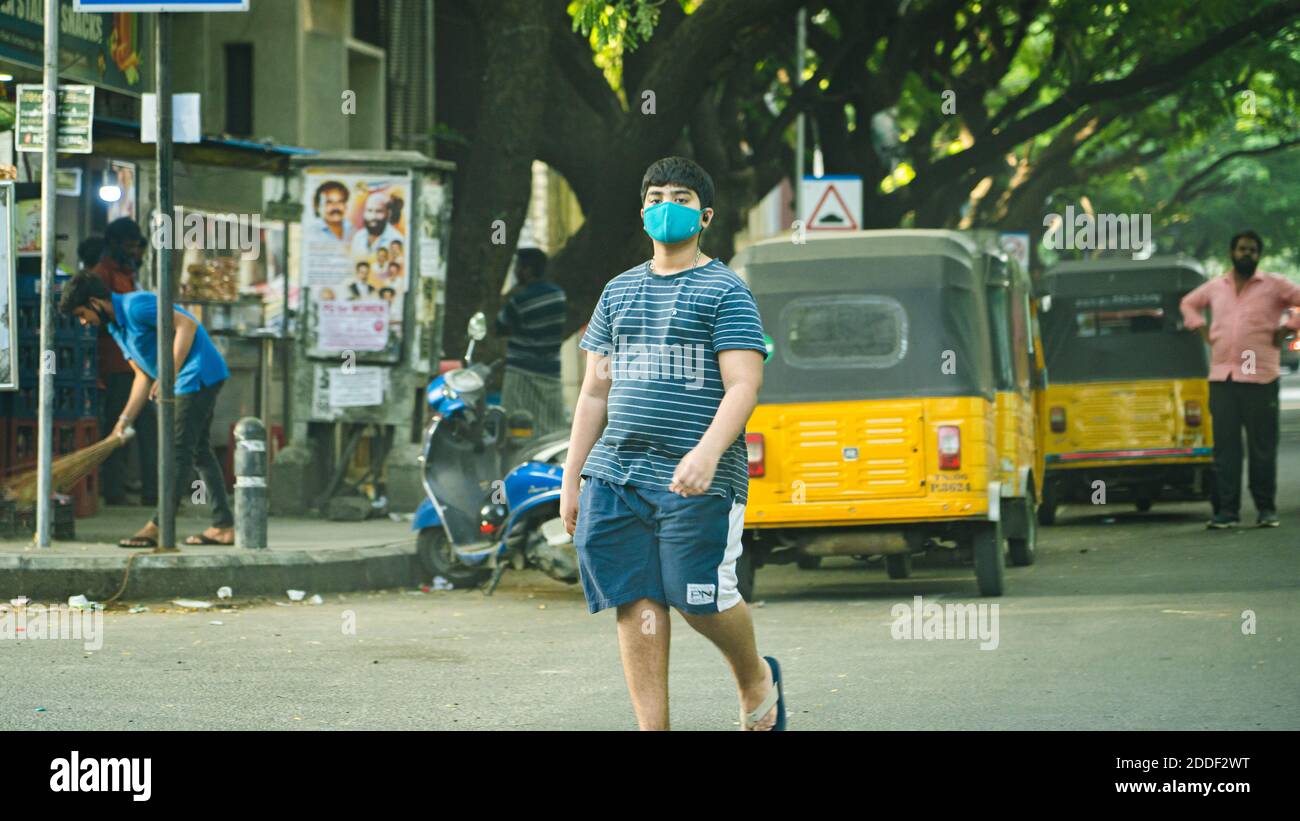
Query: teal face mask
column 669, row 222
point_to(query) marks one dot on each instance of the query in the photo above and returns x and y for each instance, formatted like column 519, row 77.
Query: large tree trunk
column 501, row 106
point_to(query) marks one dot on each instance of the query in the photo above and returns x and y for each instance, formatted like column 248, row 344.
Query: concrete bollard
column 251, row 495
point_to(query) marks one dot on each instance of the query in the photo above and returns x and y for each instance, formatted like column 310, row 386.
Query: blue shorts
column 637, row 543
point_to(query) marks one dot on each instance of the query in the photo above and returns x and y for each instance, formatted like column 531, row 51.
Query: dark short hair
column 89, row 250
column 1247, row 234
column 396, row 242
column 326, row 186
column 531, row 260
column 362, row 262
column 120, row 230
column 79, row 290
column 680, row 171
column 395, row 264
column 389, row 290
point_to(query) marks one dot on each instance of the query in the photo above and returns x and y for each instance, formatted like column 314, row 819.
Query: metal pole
column 166, row 292
column 49, row 160
column 801, row 38
column 251, row 495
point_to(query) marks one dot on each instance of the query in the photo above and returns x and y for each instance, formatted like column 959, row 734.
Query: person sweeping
column 132, row 321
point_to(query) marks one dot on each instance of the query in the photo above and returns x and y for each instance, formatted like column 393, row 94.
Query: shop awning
column 121, row 139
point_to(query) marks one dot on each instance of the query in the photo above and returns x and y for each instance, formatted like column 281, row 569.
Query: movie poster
column 355, row 259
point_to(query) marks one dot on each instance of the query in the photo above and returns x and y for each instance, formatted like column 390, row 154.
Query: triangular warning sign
column 832, row 214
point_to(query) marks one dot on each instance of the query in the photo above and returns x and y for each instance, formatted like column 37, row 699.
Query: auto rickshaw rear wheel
column 989, row 547
column 1024, row 550
column 1047, row 507
column 898, row 565
column 1143, row 504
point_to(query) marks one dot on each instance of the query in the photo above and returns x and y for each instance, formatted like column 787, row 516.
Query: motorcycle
column 479, row 519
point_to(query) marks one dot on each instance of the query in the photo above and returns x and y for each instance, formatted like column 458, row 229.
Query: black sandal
column 138, row 542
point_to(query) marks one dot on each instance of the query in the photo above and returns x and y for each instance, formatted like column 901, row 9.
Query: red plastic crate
column 86, row 495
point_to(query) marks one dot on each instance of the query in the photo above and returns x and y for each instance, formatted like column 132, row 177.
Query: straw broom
column 66, row 470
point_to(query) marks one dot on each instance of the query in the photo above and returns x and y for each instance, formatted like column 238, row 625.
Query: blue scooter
column 478, row 518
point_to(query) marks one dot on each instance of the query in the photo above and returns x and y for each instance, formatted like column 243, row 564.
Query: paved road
column 1128, row 620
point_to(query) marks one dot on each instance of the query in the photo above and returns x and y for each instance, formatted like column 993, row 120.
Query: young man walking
column 1245, row 337
column 132, row 321
column 673, row 371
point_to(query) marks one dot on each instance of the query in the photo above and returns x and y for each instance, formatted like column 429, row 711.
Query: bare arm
column 742, row 376
column 589, row 419
column 186, row 329
column 1192, row 307
column 182, row 341
column 135, row 401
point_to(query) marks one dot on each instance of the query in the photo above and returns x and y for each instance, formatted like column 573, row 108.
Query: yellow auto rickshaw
column 1125, row 414
column 896, row 413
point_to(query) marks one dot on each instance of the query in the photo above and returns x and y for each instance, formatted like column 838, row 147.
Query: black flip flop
column 146, row 541
column 775, row 698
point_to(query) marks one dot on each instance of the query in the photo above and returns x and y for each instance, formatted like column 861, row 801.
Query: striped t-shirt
column 534, row 318
column 663, row 335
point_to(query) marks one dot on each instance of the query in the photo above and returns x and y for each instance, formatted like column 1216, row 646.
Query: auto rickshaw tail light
column 1192, row 413
column 949, row 447
column 754, row 451
column 1057, row 418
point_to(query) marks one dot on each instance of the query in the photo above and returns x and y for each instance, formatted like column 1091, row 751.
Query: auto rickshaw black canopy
column 1118, row 320
column 917, row 296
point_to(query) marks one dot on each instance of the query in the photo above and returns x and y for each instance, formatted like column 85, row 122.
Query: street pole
column 166, row 299
column 801, row 36
column 49, row 159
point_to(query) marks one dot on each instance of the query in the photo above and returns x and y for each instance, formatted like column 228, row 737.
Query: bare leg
column 643, row 638
column 732, row 631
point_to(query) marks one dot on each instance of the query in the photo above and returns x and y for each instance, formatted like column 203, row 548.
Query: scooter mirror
column 1045, row 303
column 477, row 327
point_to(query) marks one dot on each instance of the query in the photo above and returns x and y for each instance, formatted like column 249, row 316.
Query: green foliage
column 620, row 24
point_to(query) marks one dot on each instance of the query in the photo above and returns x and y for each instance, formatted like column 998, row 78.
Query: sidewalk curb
column 247, row 572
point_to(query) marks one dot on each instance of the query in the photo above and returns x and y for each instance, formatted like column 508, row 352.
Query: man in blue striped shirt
column 533, row 320
column 673, row 371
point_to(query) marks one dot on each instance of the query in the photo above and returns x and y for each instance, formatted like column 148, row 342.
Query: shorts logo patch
column 700, row 593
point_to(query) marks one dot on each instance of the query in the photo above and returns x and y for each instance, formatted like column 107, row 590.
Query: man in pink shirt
column 1245, row 336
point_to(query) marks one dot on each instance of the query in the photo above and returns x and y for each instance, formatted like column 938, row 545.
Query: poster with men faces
column 355, row 260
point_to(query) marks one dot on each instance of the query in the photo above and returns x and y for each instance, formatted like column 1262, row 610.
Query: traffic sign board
column 832, row 203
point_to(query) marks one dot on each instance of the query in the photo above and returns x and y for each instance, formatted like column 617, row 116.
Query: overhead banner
column 162, row 5
column 355, row 258
column 110, row 50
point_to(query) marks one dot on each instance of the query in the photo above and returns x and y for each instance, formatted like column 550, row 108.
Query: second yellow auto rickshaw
column 1125, row 415
column 896, row 413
